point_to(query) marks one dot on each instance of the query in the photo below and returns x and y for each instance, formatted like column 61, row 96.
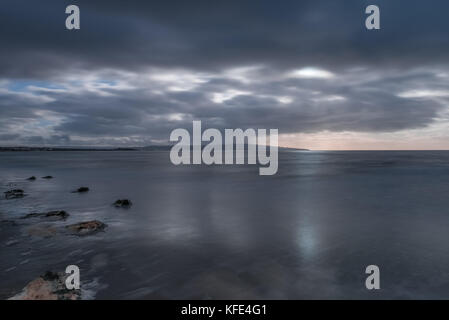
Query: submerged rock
column 86, row 227
column 47, row 177
column 123, row 203
column 14, row 194
column 42, row 230
column 81, row 190
column 31, row 178
column 49, row 286
column 57, row 215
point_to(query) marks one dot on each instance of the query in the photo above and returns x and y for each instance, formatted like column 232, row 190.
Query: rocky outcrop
column 54, row 215
column 86, row 228
column 81, row 190
column 123, row 203
column 14, row 194
column 49, row 286
column 31, row 178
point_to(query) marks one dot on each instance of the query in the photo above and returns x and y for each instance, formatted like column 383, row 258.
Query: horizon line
column 168, row 145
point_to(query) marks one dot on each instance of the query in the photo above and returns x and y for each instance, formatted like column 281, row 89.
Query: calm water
column 226, row 232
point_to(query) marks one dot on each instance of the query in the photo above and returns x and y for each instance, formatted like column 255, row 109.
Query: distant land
column 64, row 149
column 147, row 148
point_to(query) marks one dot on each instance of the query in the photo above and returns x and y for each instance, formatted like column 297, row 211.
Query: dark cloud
column 138, row 69
column 210, row 35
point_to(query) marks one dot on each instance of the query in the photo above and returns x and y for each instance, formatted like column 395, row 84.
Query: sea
column 226, row 232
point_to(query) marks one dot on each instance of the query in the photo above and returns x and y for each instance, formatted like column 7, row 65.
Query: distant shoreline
column 4, row 149
column 147, row 148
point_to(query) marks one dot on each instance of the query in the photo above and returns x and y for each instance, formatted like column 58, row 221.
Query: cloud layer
column 134, row 72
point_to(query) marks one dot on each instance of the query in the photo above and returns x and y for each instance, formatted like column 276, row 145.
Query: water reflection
column 226, row 232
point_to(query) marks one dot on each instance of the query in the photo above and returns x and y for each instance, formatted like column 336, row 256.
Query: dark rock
column 32, row 178
column 47, row 177
column 49, row 286
column 81, row 190
column 14, row 194
column 50, row 276
column 123, row 203
column 58, row 215
column 86, row 227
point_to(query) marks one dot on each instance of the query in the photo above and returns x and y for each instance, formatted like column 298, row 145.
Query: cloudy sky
column 138, row 69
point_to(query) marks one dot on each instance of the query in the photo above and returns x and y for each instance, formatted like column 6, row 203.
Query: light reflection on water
column 226, row 232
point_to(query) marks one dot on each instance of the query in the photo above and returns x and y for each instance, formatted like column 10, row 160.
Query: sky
column 136, row 70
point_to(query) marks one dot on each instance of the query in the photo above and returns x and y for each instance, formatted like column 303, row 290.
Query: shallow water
column 226, row 232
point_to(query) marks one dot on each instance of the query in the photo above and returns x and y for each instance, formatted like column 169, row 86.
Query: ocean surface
column 224, row 232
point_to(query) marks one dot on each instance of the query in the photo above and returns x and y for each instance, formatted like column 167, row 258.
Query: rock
column 123, row 203
column 42, row 230
column 47, row 177
column 86, row 227
column 81, row 190
column 56, row 215
column 31, row 178
column 14, row 194
column 49, row 286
